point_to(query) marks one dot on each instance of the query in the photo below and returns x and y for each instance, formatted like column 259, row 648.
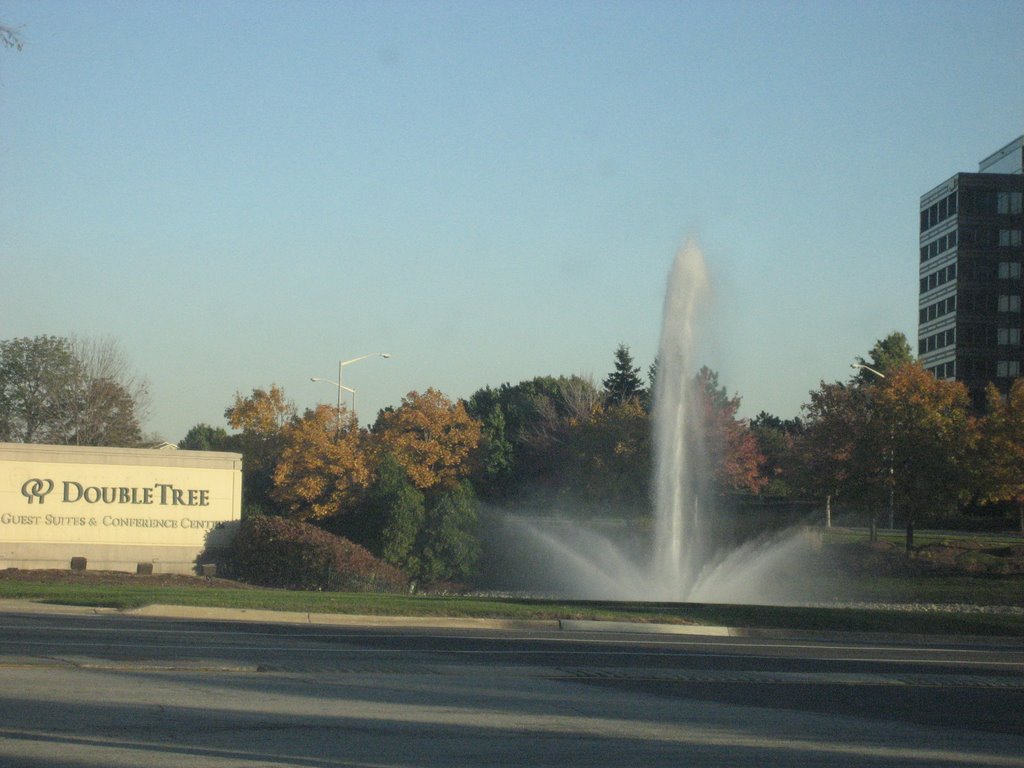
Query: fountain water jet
column 683, row 561
column 680, row 543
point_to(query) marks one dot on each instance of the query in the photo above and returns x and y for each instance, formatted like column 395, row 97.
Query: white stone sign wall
column 115, row 507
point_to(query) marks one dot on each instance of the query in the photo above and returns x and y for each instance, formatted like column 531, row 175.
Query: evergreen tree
column 624, row 383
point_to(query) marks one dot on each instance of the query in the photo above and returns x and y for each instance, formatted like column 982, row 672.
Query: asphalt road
column 110, row 690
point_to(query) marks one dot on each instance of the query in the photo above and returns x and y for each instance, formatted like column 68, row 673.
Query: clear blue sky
column 244, row 193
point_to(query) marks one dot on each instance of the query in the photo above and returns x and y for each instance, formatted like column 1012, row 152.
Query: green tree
column 449, row 543
column 624, row 382
column 541, row 418
column 203, row 437
column 613, row 458
column 498, row 464
column 775, row 439
column 887, row 355
column 396, row 510
column 37, row 389
column 69, row 392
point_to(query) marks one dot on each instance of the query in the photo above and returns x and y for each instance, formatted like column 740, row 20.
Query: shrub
column 276, row 552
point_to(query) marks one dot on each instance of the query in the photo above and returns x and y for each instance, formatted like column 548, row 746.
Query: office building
column 969, row 326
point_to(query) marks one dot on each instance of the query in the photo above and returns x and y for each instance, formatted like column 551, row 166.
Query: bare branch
column 10, row 37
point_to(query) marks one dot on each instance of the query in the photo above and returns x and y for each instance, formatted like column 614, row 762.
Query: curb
column 244, row 615
column 330, row 619
column 639, row 628
column 252, row 616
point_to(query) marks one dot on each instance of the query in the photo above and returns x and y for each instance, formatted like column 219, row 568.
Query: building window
column 1006, row 369
column 1009, row 270
column 1009, row 337
column 1009, row 303
column 940, row 211
column 1009, row 238
column 1010, row 202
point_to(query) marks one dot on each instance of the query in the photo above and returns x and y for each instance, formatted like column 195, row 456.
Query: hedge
column 278, row 552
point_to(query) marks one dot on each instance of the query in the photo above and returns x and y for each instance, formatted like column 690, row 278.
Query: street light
column 341, row 386
column 879, row 374
column 892, row 448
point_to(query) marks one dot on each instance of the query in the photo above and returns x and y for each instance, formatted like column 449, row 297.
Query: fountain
column 683, row 561
column 681, row 543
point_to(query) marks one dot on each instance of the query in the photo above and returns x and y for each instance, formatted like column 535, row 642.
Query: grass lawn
column 131, row 591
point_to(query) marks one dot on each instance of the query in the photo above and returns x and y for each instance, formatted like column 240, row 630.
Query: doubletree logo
column 73, row 492
column 36, row 489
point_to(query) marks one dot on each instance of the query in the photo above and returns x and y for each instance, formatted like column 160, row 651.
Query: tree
column 624, row 382
column 888, row 354
column 111, row 400
column 203, row 437
column 449, row 547
column 397, row 511
column 69, row 392
column 775, row 439
column 932, row 436
column 732, row 454
column 261, row 418
column 322, row 468
column 832, row 461
column 431, row 437
column 539, row 423
column 498, row 462
column 263, row 413
column 1001, row 454
column 106, row 415
column 37, row 385
column 611, row 462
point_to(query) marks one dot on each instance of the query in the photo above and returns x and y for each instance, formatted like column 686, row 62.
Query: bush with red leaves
column 277, row 552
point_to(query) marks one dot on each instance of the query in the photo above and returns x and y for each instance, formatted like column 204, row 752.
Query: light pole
column 892, row 448
column 866, row 367
column 339, row 383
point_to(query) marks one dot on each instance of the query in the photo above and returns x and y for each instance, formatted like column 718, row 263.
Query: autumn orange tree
column 731, row 451
column 323, row 467
column 1001, row 449
column 932, row 436
column 432, row 439
column 261, row 418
